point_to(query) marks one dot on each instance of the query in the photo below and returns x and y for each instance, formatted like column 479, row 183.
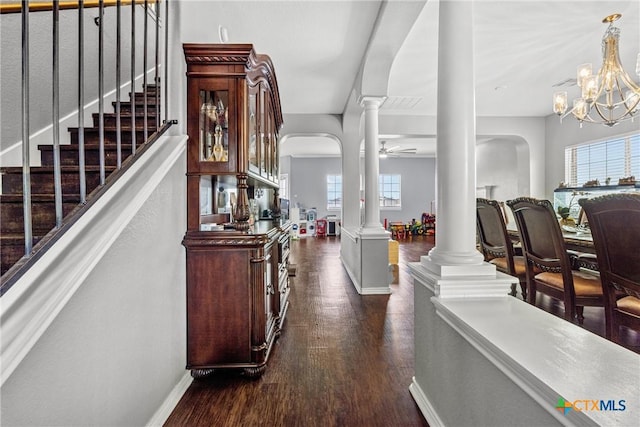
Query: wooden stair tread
column 49, row 169
column 108, row 145
column 127, row 115
column 40, row 197
column 106, row 128
column 18, row 237
column 129, row 102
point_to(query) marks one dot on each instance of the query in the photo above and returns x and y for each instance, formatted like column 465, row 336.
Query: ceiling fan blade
column 390, row 148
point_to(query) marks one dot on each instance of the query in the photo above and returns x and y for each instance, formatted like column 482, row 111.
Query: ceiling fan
column 394, row 151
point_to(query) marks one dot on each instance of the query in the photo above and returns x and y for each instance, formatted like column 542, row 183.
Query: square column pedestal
column 374, row 262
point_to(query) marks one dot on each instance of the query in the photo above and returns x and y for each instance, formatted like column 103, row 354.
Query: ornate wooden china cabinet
column 237, row 277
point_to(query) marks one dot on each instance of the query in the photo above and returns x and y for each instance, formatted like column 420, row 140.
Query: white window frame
column 333, row 193
column 598, row 160
column 387, row 190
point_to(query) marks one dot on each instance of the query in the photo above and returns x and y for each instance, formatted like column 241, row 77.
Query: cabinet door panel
column 214, row 125
column 218, row 307
column 214, row 129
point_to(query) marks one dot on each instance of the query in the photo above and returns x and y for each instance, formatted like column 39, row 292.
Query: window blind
column 614, row 159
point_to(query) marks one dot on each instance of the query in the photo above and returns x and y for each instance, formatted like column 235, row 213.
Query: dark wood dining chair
column 614, row 220
column 547, row 262
column 496, row 245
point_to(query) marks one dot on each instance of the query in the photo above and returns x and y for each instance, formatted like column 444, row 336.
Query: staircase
column 42, row 182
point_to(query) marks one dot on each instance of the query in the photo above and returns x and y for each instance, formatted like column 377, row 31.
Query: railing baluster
column 81, row 154
column 161, row 57
column 101, row 89
column 26, row 162
column 118, row 123
column 166, row 61
column 157, row 82
column 144, row 69
column 57, row 180
column 133, row 76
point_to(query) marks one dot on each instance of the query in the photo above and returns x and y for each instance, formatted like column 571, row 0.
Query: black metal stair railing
column 150, row 92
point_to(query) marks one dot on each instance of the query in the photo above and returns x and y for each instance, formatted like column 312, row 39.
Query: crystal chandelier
column 610, row 96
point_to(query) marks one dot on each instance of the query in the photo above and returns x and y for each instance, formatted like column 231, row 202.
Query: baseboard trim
column 352, row 276
column 427, row 409
column 376, row 290
column 169, row 404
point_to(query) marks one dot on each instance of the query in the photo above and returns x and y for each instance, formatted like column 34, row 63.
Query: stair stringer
column 32, row 304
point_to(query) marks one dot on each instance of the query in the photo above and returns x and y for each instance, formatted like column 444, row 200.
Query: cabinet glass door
column 267, row 141
column 253, row 131
column 273, row 171
column 214, row 126
column 264, row 136
column 276, row 157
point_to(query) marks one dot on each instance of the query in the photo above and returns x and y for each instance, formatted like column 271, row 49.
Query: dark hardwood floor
column 342, row 359
column 593, row 321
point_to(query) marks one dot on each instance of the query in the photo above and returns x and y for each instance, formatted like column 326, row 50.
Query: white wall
column 110, row 346
column 496, row 166
column 307, row 178
column 418, row 186
column 40, row 69
column 308, row 182
column 177, row 69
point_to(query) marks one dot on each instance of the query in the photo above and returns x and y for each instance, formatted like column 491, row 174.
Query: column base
column 462, row 281
column 437, row 257
column 446, row 269
column 374, row 232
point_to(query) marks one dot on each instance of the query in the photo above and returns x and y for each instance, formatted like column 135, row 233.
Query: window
column 390, row 191
column 334, row 192
column 615, row 158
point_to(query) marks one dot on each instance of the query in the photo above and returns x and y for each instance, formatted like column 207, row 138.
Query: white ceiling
column 522, row 49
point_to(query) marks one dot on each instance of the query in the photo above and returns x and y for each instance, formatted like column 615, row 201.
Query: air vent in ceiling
column 401, row 102
column 565, row 83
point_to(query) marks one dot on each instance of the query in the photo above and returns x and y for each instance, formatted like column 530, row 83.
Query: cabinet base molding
column 254, row 372
column 201, row 373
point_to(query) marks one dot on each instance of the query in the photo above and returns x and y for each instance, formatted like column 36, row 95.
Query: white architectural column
column 454, row 266
column 371, row 273
column 456, row 139
column 371, row 165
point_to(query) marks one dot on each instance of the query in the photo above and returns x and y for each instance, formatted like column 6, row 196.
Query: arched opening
column 306, row 162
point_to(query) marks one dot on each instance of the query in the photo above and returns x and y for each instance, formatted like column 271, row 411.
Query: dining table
column 577, row 240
